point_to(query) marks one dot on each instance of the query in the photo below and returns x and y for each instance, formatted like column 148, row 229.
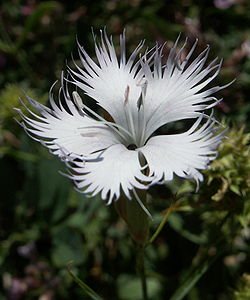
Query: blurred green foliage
column 243, row 291
column 45, row 223
column 234, row 174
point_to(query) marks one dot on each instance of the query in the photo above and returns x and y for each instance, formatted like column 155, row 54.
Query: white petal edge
column 182, row 154
column 65, row 130
column 118, row 169
column 176, row 90
column 106, row 81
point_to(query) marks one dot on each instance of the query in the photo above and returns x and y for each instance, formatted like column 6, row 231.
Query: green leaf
column 6, row 47
column 68, row 246
column 129, row 288
column 235, row 189
column 52, row 184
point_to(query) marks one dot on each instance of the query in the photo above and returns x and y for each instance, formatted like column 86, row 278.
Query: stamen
column 141, row 110
column 126, row 94
column 78, row 101
column 128, row 115
column 143, row 84
column 80, row 105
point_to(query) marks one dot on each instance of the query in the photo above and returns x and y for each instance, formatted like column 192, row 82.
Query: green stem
column 162, row 224
column 141, row 269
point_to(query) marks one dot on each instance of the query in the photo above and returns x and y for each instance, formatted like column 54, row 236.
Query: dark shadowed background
column 45, row 223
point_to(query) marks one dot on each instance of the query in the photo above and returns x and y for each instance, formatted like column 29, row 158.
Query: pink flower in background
column 224, row 4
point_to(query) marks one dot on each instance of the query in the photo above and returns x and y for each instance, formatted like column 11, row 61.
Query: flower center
column 135, row 116
column 132, row 147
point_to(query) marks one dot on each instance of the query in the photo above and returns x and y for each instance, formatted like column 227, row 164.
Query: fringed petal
column 177, row 90
column 182, row 154
column 66, row 130
column 107, row 80
column 118, row 169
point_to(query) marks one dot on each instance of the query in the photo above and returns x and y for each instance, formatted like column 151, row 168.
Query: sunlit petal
column 65, row 130
column 118, row 169
column 107, row 80
column 176, row 90
column 182, row 154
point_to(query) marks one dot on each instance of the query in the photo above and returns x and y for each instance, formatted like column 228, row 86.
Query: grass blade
column 88, row 291
column 194, row 276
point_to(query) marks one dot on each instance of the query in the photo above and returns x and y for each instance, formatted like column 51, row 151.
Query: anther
column 126, row 94
column 78, row 101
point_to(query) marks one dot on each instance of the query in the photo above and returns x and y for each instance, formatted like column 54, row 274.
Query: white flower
column 140, row 94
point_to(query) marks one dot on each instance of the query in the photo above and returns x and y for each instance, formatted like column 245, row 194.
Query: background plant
column 44, row 223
